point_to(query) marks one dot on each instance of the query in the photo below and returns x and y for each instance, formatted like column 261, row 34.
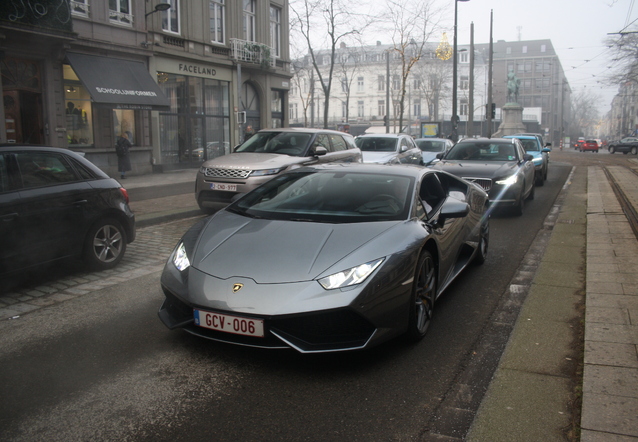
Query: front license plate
column 223, row 186
column 229, row 323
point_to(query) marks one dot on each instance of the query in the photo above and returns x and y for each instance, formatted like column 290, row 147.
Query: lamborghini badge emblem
column 237, row 287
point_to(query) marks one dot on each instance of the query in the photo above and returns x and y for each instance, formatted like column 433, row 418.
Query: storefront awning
column 122, row 84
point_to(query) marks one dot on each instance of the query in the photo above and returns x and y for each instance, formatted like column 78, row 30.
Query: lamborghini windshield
column 330, row 196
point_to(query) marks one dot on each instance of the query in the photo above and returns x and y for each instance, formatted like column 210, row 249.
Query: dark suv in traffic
column 55, row 204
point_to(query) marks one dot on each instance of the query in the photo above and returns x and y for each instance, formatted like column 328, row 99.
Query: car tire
column 612, row 149
column 423, row 296
column 484, row 242
column 104, row 245
column 539, row 180
column 634, row 151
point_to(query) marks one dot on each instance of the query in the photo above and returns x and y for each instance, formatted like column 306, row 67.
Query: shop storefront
column 106, row 98
column 197, row 126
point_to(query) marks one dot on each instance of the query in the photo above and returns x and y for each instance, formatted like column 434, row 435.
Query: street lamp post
column 455, row 117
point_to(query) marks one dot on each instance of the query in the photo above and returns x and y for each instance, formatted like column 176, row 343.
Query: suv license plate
column 223, row 186
column 229, row 323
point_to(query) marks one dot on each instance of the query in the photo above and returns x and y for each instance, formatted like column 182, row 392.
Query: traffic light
column 487, row 110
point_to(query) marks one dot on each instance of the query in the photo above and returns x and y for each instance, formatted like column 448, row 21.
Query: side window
column 44, row 169
column 322, row 140
column 85, row 174
column 404, row 144
column 4, row 175
column 338, row 143
column 431, row 193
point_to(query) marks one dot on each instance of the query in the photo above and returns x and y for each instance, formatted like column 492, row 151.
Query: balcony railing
column 251, row 52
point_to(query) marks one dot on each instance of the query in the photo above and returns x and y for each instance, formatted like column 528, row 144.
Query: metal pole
column 489, row 81
column 387, row 92
column 469, row 129
column 454, row 136
column 239, row 103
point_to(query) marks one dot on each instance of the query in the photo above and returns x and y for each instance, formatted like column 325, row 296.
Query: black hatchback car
column 55, row 204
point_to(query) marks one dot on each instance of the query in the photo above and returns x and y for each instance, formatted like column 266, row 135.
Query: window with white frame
column 524, row 49
column 463, row 108
column 396, row 82
column 170, row 17
column 360, row 108
column 543, row 48
column 381, row 107
column 217, row 21
column 344, row 109
column 416, row 84
column 464, row 57
column 464, row 83
column 293, row 111
column 275, row 30
column 249, row 20
column 80, row 7
column 360, row 84
column 381, row 82
column 344, row 84
column 417, row 108
column 120, row 12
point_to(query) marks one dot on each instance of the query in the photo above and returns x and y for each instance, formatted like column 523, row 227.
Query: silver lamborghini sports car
column 327, row 258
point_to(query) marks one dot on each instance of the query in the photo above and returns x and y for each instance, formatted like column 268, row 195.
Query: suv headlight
column 265, row 172
column 352, row 276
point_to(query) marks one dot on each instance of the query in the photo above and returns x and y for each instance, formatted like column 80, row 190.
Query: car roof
column 522, row 137
column 383, row 135
column 488, row 140
column 381, row 169
column 431, row 139
column 307, row 130
column 8, row 147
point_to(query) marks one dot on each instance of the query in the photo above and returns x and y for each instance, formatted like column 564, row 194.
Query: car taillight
column 124, row 194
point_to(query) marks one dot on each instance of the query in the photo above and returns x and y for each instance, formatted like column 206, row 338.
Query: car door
column 10, row 236
column 527, row 168
column 52, row 206
column 342, row 151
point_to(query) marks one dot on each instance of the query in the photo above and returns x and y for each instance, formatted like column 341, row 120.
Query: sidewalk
column 589, row 263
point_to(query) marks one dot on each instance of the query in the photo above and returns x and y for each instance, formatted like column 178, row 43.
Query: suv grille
column 226, row 173
column 485, row 183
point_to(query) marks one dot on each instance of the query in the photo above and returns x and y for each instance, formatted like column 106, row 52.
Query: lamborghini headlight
column 511, row 180
column 353, row 276
column 180, row 259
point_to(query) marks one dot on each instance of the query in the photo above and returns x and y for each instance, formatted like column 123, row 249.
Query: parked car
column 430, row 147
column 55, row 204
column 626, row 145
column 265, row 155
column 389, row 149
column 326, row 258
column 590, row 144
column 539, row 137
column 578, row 143
column 499, row 165
column 533, row 146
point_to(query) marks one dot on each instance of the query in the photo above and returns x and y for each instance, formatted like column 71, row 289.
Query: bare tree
column 585, row 114
column 347, row 66
column 412, row 24
column 623, row 59
column 336, row 21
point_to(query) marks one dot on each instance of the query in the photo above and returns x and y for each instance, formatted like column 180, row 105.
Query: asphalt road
column 102, row 366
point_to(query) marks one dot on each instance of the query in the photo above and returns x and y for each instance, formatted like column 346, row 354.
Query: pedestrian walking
column 122, row 148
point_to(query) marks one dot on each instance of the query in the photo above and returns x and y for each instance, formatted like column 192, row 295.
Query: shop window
column 124, row 123
column 78, row 111
column 170, row 17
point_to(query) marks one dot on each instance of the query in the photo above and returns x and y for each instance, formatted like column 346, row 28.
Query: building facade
column 184, row 79
column 361, row 75
column 543, row 84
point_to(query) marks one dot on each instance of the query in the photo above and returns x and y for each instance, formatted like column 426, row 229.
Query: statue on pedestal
column 513, row 84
